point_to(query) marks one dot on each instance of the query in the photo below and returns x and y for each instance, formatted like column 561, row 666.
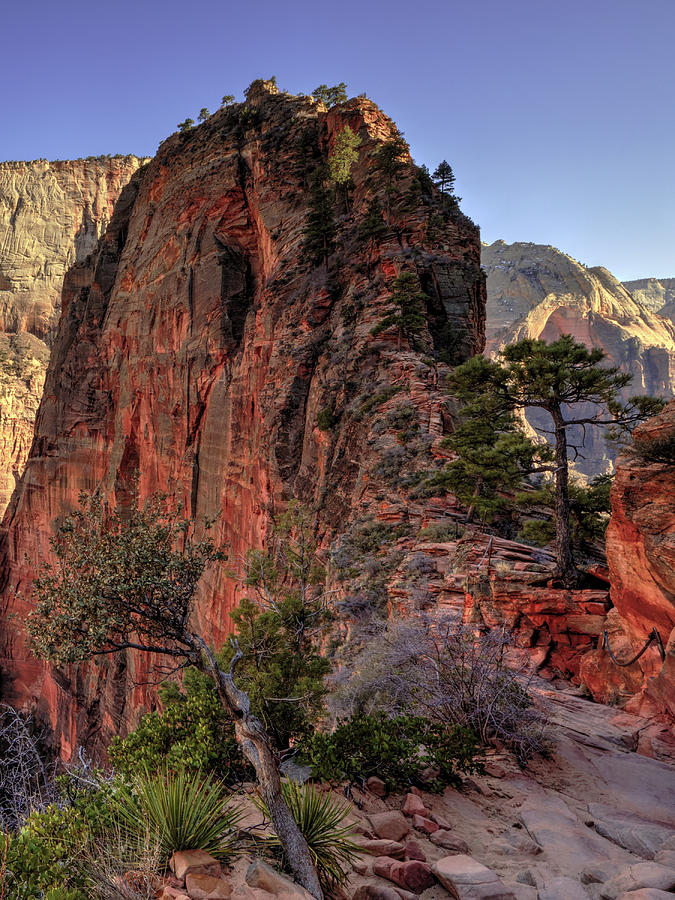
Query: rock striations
column 51, row 216
column 199, row 343
column 538, row 292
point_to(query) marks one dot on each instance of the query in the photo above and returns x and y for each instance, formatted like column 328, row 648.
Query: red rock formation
column 198, row 346
column 641, row 558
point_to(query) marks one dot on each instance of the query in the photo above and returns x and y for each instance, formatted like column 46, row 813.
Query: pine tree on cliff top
column 563, row 379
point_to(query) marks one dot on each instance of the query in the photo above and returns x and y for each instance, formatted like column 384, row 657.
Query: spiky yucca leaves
column 181, row 811
column 321, row 819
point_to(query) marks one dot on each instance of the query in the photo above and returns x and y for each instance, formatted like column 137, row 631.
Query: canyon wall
column 641, row 559
column 199, row 343
column 51, row 216
column 538, row 292
column 656, row 294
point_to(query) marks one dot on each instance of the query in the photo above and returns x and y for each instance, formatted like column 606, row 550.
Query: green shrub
column 441, row 532
column 180, row 811
column 320, row 818
column 193, row 731
column 325, row 419
column 395, row 749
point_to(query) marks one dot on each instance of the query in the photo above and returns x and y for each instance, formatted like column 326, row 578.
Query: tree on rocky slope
column 329, row 96
column 569, row 383
column 406, row 313
column 126, row 580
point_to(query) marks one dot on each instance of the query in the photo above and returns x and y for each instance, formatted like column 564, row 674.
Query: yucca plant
column 181, row 811
column 320, row 818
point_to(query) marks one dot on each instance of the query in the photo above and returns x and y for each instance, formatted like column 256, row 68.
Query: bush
column 325, row 419
column 654, row 448
column 320, row 818
column 395, row 749
column 193, row 732
column 178, row 811
column 441, row 532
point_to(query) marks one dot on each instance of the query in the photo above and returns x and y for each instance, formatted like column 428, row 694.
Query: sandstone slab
column 467, row 879
column 635, row 877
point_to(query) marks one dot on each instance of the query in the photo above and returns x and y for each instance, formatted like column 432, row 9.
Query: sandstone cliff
column 656, row 294
column 198, row 345
column 538, row 292
column 641, row 558
column 51, row 216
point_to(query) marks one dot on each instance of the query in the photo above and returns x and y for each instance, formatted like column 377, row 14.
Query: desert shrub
column 178, row 811
column 450, row 674
column 26, row 776
column 388, row 467
column 192, row 731
column 325, row 419
column 321, row 819
column 441, row 532
column 659, row 448
column 395, row 749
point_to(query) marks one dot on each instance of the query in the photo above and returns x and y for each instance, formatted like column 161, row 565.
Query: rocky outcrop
column 51, row 216
column 200, row 342
column 538, row 292
column 656, row 294
column 641, row 558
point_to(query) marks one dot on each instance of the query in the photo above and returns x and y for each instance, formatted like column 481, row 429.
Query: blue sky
column 557, row 117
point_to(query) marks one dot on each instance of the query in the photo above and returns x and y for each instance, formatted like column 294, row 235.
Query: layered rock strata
column 656, row 294
column 198, row 345
column 51, row 216
column 536, row 291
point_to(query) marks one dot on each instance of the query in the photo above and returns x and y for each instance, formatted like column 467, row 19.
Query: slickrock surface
column 656, row 294
column 641, row 558
column 199, row 344
column 538, row 292
column 51, row 216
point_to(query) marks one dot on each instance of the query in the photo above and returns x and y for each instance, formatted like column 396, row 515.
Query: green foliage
column 589, row 510
column 320, row 229
column 538, row 531
column 444, row 178
column 343, row 157
column 390, row 160
column 192, row 731
column 321, row 819
column 279, row 626
column 374, row 400
column 204, row 114
column 119, row 581
column 228, row 100
column 407, row 313
column 181, row 811
column 440, row 532
column 185, row 125
column 372, row 227
column 330, row 96
column 325, row 419
column 395, row 749
column 653, row 448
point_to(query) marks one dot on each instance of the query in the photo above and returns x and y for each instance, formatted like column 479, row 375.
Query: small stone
column 494, row 770
column 526, row 877
column 171, row 893
column 414, row 851
column 380, row 847
column 376, row 786
column 449, row 841
column 376, row 892
column 421, row 823
column 207, row 887
column 440, row 821
column 390, row 825
column 414, row 806
column 261, row 875
column 197, row 861
column 360, row 866
column 382, row 866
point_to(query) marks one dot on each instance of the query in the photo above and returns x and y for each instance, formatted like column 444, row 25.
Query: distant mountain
column 538, row 291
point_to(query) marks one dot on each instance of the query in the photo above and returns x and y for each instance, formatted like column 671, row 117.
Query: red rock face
column 641, row 558
column 197, row 347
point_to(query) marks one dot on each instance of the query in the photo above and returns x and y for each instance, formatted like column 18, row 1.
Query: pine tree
column 407, row 313
column 390, row 163
column 204, row 114
column 444, row 178
column 228, row 100
column 186, row 125
column 343, row 157
column 320, row 229
column 563, row 379
column 330, row 96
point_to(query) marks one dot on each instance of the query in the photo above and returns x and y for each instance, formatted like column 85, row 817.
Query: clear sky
column 558, row 116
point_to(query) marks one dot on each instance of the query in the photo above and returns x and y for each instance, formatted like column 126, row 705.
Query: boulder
column 421, row 823
column 168, row 892
column 414, row 851
column 467, row 879
column 207, row 887
column 632, row 832
column 413, row 806
column 376, row 786
column 647, row 894
column 184, row 862
column 448, row 841
column 380, row 847
column 375, row 892
column 390, row 825
column 260, row 875
column 562, row 888
column 640, row 875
